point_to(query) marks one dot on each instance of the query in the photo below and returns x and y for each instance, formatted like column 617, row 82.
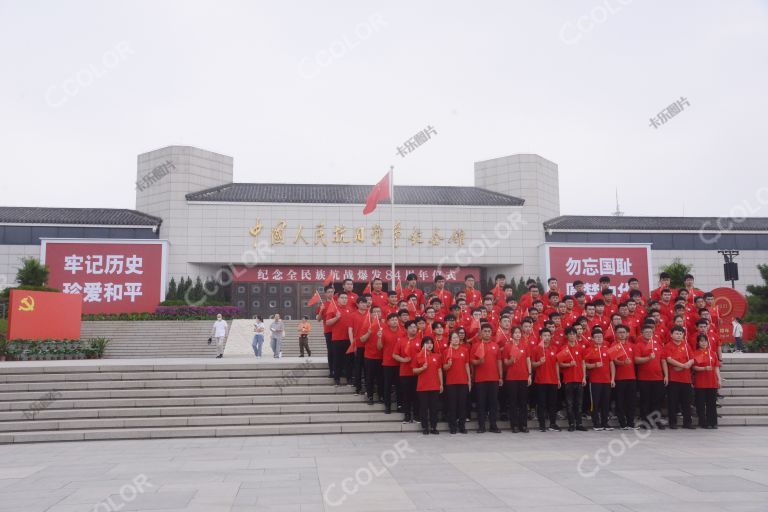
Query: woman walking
column 258, row 336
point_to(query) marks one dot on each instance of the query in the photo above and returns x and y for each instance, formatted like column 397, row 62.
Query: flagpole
column 392, row 217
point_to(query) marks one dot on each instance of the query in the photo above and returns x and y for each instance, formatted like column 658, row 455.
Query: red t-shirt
column 441, row 344
column 429, row 379
column 651, row 369
column 371, row 346
column 406, row 347
column 389, row 340
column 379, row 299
column 488, row 370
column 406, row 292
column 446, row 299
column 600, row 375
column 706, row 379
column 519, row 369
column 682, row 354
column 457, row 373
column 573, row 373
column 340, row 330
column 359, row 323
column 547, row 372
column 625, row 371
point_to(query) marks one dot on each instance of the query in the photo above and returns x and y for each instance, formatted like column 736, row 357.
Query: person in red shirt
column 714, row 314
column 391, row 306
column 457, row 383
column 664, row 281
column 547, row 379
column 347, row 286
column 598, row 365
column 552, row 287
column 359, row 332
column 474, row 297
column 650, row 376
column 324, row 313
column 499, row 296
column 706, row 382
column 411, row 288
column 693, row 292
column 486, row 358
column 678, row 361
column 390, row 368
column 526, row 301
column 631, row 322
column 427, row 366
column 340, row 322
column 446, row 297
column 611, row 307
column 623, row 378
column 407, row 346
column 378, row 295
column 517, row 379
column 609, row 334
column 633, row 285
column 440, row 339
column 373, row 354
column 570, row 360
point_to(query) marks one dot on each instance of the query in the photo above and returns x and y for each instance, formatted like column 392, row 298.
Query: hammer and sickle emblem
column 27, row 303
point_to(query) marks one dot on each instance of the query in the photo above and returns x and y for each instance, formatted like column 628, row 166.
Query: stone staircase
column 291, row 340
column 152, row 339
column 745, row 389
column 141, row 399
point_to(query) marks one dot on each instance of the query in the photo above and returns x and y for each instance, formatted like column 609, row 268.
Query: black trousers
column 706, row 406
column 517, row 401
column 547, row 403
column 373, row 375
column 428, row 408
column 679, row 399
column 358, row 358
column 329, row 351
column 304, row 345
column 390, row 379
column 573, row 397
column 408, row 387
column 626, row 391
column 341, row 368
column 455, row 401
column 651, row 398
column 487, row 403
column 600, row 393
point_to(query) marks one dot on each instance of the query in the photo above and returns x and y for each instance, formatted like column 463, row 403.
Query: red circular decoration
column 730, row 303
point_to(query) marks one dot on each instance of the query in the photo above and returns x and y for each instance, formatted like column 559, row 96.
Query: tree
column 677, row 271
column 32, row 273
column 197, row 292
column 520, row 288
column 171, row 295
column 758, row 298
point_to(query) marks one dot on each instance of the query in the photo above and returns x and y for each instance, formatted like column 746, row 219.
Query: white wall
column 708, row 267
column 10, row 261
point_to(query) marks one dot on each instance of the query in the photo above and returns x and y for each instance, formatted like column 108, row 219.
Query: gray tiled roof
column 600, row 223
column 96, row 216
column 351, row 194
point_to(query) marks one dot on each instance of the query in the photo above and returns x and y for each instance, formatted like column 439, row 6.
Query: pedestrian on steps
column 219, row 335
column 278, row 330
column 304, row 329
column 258, row 337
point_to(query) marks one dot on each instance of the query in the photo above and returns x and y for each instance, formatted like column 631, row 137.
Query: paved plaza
column 681, row 471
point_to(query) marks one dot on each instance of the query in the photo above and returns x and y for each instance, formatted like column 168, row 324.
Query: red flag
column 367, row 288
column 514, row 351
column 616, row 351
column 328, row 279
column 565, row 356
column 399, row 288
column 314, row 300
column 380, row 192
column 332, row 307
column 480, row 350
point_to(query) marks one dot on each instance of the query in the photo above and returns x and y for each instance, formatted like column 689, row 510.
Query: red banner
column 730, row 304
column 568, row 263
column 44, row 315
column 123, row 276
column 318, row 274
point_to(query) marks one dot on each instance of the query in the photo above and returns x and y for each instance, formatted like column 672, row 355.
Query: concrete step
column 162, row 375
column 743, row 420
column 727, row 390
column 744, row 410
column 234, row 382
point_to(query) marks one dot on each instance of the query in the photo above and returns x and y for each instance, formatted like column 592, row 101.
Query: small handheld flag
column 314, row 300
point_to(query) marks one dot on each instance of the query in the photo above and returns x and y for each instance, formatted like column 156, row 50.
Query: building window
column 272, row 304
column 272, row 290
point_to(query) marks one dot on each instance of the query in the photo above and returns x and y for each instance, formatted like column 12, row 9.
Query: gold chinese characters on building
column 282, row 233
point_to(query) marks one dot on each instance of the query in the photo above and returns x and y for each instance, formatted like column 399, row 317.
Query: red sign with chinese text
column 362, row 274
column 730, row 304
column 44, row 315
column 568, row 263
column 112, row 277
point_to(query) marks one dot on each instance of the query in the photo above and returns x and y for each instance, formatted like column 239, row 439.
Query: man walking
column 219, row 334
column 278, row 330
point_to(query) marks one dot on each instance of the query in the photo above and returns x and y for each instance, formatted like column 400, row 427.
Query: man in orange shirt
column 304, row 329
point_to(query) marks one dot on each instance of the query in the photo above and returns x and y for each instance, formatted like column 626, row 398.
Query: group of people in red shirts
column 444, row 353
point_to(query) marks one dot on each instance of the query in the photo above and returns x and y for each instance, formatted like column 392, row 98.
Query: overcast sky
column 326, row 91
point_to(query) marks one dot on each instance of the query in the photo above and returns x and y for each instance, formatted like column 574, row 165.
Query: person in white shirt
column 278, row 330
column 219, row 334
column 258, row 337
column 738, row 333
